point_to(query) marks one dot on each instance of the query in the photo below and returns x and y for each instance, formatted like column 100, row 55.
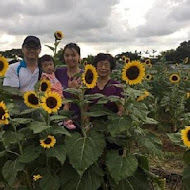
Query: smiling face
column 103, row 68
column 71, row 57
column 30, row 52
column 47, row 67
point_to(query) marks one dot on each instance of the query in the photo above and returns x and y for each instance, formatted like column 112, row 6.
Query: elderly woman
column 104, row 64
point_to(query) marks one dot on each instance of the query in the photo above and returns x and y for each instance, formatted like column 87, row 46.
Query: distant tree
column 13, row 53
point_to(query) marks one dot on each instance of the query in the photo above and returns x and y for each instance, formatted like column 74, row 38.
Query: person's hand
column 74, row 83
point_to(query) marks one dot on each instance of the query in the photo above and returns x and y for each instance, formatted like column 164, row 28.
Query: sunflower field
column 36, row 152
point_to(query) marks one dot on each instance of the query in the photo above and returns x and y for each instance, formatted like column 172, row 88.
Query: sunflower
column 150, row 66
column 142, row 97
column 45, row 85
column 174, row 78
column 147, row 61
column 127, row 60
column 51, row 102
column 37, row 177
column 58, row 35
column 31, row 99
column 133, row 72
column 3, row 66
column 187, row 94
column 148, row 77
column 48, row 142
column 185, row 78
column 90, row 76
column 185, row 136
column 186, row 60
column 3, row 114
column 124, row 58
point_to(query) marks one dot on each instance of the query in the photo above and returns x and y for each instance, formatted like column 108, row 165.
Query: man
column 24, row 74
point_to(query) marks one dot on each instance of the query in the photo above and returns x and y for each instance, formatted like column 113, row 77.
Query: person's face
column 47, row 67
column 31, row 52
column 103, row 68
column 71, row 57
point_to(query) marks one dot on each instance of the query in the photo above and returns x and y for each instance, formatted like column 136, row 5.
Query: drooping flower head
column 185, row 136
column 58, row 35
column 133, row 72
column 48, row 142
column 185, row 78
column 147, row 61
column 4, row 115
column 45, row 85
column 31, row 99
column 174, row 78
column 3, row 66
column 51, row 102
column 148, row 77
column 142, row 97
column 186, row 60
column 90, row 76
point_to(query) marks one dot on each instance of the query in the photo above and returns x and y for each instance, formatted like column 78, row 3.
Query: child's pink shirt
column 55, row 84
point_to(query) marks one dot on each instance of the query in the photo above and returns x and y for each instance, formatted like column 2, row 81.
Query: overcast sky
column 113, row 26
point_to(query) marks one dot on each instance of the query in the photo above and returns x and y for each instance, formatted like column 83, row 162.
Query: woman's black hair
column 45, row 58
column 70, row 46
column 103, row 57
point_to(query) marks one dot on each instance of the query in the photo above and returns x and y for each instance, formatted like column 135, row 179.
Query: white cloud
column 97, row 26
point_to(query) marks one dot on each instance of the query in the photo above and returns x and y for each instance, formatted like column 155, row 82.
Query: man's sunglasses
column 28, row 47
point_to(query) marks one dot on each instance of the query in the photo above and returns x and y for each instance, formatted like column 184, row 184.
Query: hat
column 32, row 40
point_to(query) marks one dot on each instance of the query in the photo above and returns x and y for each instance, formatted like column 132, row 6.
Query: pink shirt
column 55, row 84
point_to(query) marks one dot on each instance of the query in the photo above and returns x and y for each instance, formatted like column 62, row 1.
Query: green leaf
column 29, row 154
column 121, row 167
column 137, row 182
column 38, row 127
column 186, row 177
column 27, row 111
column 21, row 120
column 58, row 152
column 57, row 117
column 186, row 157
column 176, row 138
column 59, row 130
column 2, row 153
column 49, row 182
column 10, row 137
column 118, row 124
column 50, row 47
column 96, row 113
column 10, row 170
column 84, row 151
column 90, row 180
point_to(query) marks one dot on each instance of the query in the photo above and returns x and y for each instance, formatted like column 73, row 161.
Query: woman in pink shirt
column 46, row 63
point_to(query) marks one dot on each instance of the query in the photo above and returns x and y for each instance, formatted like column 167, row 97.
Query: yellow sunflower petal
column 142, row 97
column 48, row 142
column 4, row 116
column 3, row 65
column 185, row 136
column 51, row 102
column 133, row 72
column 31, row 99
column 90, row 76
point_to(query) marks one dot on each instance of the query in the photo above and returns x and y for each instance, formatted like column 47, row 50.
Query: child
column 46, row 63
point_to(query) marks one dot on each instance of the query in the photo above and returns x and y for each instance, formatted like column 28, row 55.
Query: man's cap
column 32, row 40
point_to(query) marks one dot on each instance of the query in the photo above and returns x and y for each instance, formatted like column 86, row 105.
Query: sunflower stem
column 28, row 179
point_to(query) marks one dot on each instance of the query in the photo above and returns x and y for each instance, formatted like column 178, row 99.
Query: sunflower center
column 44, row 87
column 32, row 99
column 188, row 135
column 174, row 78
column 89, row 76
column 2, row 113
column 1, row 65
column 59, row 35
column 47, row 141
column 51, row 102
column 132, row 73
column 148, row 76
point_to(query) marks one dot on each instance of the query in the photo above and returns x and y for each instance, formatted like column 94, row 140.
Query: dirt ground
column 170, row 165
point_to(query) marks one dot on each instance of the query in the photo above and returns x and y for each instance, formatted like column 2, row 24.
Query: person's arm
column 121, row 109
